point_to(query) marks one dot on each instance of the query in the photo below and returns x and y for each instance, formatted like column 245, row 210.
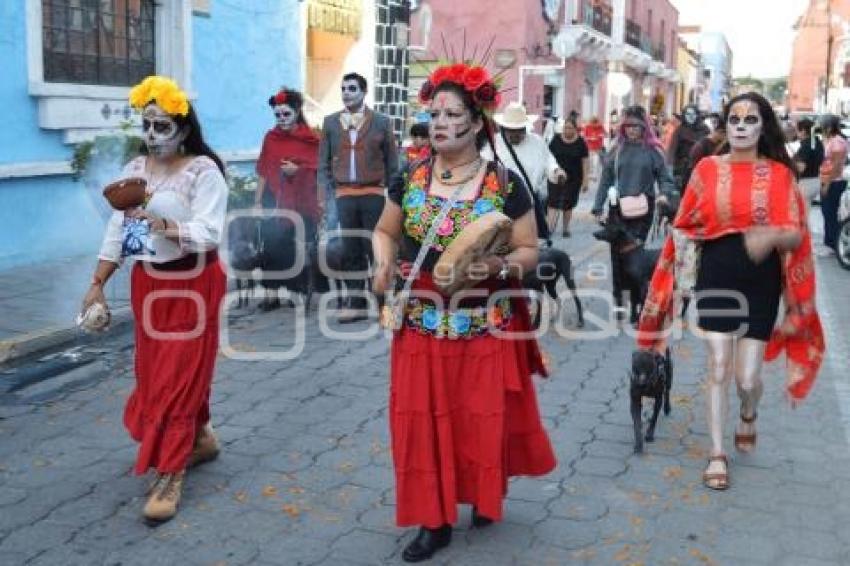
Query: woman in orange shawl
column 745, row 216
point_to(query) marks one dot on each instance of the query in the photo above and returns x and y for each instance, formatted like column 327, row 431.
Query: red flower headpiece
column 280, row 98
column 473, row 78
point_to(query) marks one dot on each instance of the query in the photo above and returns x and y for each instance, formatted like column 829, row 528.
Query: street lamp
column 619, row 83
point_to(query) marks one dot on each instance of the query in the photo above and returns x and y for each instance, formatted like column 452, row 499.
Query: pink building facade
column 555, row 56
column 520, row 52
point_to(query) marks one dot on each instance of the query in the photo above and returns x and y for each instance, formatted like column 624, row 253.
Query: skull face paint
column 285, row 116
column 690, row 115
column 352, row 95
column 744, row 125
column 161, row 133
column 452, row 128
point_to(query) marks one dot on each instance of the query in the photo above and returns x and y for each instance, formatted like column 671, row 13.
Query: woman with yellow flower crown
column 463, row 411
column 177, row 286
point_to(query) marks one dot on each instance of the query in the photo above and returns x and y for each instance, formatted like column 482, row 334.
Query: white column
column 570, row 11
column 618, row 25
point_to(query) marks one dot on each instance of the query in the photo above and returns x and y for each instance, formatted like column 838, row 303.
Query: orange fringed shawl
column 725, row 197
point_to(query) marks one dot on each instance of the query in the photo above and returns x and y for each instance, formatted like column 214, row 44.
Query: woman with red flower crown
column 287, row 167
column 463, row 410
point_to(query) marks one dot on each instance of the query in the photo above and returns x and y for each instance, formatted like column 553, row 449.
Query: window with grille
column 98, row 42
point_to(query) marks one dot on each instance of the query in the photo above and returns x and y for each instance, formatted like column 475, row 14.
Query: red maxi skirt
column 463, row 419
column 176, row 348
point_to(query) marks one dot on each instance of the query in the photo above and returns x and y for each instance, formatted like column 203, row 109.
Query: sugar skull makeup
column 161, row 133
column 690, row 115
column 451, row 125
column 352, row 95
column 744, row 125
column 285, row 116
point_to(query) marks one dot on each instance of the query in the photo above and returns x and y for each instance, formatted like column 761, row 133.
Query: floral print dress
column 411, row 191
column 462, row 409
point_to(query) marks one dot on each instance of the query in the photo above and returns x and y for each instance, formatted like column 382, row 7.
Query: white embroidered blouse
column 195, row 198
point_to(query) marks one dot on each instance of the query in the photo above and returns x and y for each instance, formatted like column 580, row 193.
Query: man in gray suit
column 357, row 159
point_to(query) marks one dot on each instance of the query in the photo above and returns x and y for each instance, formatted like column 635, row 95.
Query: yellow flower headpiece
column 164, row 92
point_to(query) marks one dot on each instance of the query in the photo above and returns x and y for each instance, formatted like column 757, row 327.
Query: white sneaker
column 825, row 252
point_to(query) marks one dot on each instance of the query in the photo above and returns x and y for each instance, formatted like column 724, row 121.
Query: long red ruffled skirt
column 463, row 419
column 173, row 373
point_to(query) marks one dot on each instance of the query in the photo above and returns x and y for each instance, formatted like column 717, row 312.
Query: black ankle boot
column 426, row 543
column 480, row 521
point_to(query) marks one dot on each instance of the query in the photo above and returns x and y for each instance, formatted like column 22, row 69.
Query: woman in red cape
column 746, row 218
column 463, row 410
column 287, row 168
column 289, row 159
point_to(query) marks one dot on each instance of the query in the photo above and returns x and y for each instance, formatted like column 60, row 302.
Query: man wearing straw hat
column 527, row 154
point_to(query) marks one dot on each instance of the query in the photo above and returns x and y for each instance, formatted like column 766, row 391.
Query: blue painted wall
column 48, row 218
column 717, row 57
column 21, row 139
column 241, row 55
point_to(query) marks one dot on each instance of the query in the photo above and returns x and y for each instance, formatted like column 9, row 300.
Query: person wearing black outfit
column 808, row 159
column 570, row 151
column 633, row 168
column 684, row 138
column 712, row 144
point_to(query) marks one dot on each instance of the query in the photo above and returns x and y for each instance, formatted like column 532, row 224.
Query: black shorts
column 756, row 288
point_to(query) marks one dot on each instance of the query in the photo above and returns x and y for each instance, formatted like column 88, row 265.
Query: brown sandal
column 746, row 443
column 718, row 481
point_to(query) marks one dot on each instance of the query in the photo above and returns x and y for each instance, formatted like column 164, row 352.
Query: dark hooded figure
column 691, row 130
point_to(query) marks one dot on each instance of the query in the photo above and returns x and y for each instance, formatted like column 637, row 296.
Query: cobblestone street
column 305, row 475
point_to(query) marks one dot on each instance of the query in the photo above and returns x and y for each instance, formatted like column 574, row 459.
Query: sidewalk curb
column 36, row 341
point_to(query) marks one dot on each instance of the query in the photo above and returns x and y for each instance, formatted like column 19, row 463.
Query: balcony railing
column 633, row 34
column 597, row 15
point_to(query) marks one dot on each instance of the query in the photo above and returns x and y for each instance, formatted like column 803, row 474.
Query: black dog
column 638, row 263
column 651, row 376
column 332, row 249
column 243, row 240
column 553, row 264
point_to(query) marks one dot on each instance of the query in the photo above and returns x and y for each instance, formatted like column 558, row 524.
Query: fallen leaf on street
column 697, row 452
column 291, row 509
column 672, row 472
column 269, row 491
column 241, row 496
column 681, row 400
column 585, row 554
column 624, row 554
column 702, row 557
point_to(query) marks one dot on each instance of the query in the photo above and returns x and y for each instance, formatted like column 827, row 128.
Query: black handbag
column 539, row 207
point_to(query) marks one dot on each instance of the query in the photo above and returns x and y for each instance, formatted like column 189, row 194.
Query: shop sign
column 335, row 16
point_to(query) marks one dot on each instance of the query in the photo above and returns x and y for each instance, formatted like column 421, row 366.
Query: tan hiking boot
column 164, row 497
column 206, row 447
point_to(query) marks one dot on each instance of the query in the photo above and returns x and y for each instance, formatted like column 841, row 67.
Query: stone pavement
column 305, row 475
column 45, row 297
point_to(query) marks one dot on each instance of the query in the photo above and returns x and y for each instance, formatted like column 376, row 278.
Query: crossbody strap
column 518, row 162
column 425, row 247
